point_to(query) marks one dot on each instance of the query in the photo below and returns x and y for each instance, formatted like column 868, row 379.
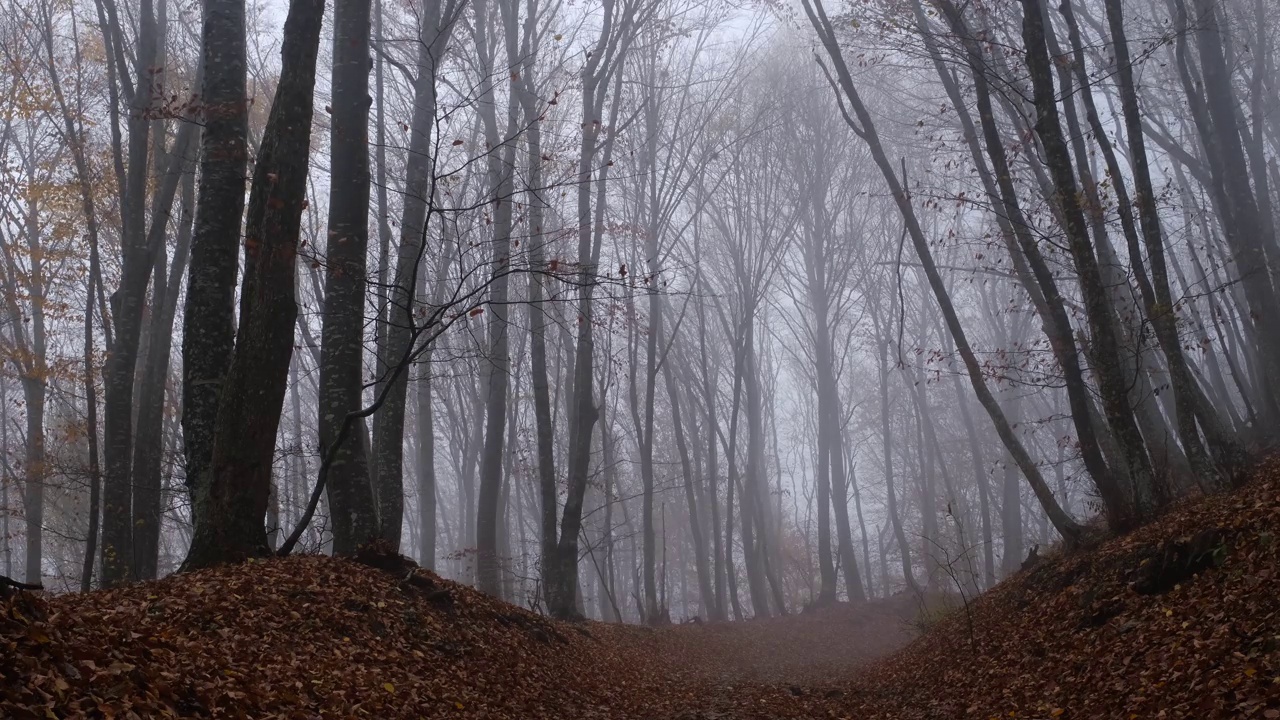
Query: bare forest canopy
column 631, row 310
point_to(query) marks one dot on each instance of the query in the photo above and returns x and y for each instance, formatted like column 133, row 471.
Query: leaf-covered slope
column 1180, row 619
column 1177, row 620
column 297, row 638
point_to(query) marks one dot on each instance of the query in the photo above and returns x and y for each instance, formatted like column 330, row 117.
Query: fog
column 636, row 310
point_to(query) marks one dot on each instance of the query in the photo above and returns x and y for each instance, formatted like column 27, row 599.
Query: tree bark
column 419, row 188
column 230, row 527
column 208, row 320
column 126, row 310
column 147, row 456
column 351, row 506
column 1097, row 307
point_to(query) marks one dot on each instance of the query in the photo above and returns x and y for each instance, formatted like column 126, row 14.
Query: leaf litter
column 1180, row 619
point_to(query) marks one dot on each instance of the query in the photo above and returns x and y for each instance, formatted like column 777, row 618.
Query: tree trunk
column 126, row 311
column 426, row 471
column 147, row 457
column 886, row 433
column 1063, row 522
column 419, row 188
column 1160, row 307
column 208, row 321
column 705, row 593
column 497, row 364
column 351, row 508
column 848, row 559
column 1215, row 118
column 1038, row 278
column 230, row 527
column 1097, row 306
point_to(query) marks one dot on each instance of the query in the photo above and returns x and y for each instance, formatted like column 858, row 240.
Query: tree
column 230, row 525
column 352, row 511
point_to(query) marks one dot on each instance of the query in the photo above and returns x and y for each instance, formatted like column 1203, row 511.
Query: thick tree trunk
column 208, row 321
column 351, row 507
column 230, row 527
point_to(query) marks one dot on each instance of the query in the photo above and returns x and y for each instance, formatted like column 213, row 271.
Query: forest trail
column 1180, row 619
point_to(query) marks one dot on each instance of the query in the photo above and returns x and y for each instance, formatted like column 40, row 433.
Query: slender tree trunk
column 1214, row 114
column 705, row 593
column 419, row 189
column 147, row 458
column 1063, row 522
column 1160, row 307
column 848, row 559
column 497, row 364
column 1097, row 307
column 91, row 435
column 886, row 433
column 126, row 311
column 426, row 471
column 1037, row 278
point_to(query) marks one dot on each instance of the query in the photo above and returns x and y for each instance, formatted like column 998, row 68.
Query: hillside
column 1176, row 620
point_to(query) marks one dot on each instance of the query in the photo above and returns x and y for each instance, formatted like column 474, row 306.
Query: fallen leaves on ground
column 1176, row 620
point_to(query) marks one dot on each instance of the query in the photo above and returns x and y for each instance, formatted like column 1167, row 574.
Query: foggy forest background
column 633, row 309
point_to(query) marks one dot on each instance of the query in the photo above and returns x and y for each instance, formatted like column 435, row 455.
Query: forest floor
column 1180, row 619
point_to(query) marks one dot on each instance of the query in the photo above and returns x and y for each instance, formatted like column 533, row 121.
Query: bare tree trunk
column 208, row 321
column 705, row 593
column 230, row 526
column 1037, row 278
column 584, row 413
column 983, row 485
column 848, row 559
column 419, row 189
column 147, row 456
column 536, row 242
column 351, row 507
column 426, row 471
column 126, row 310
column 497, row 364
column 1159, row 305
column 1097, row 307
column 886, row 433
column 91, row 436
column 1063, row 522
column 1214, row 114
column 33, row 392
